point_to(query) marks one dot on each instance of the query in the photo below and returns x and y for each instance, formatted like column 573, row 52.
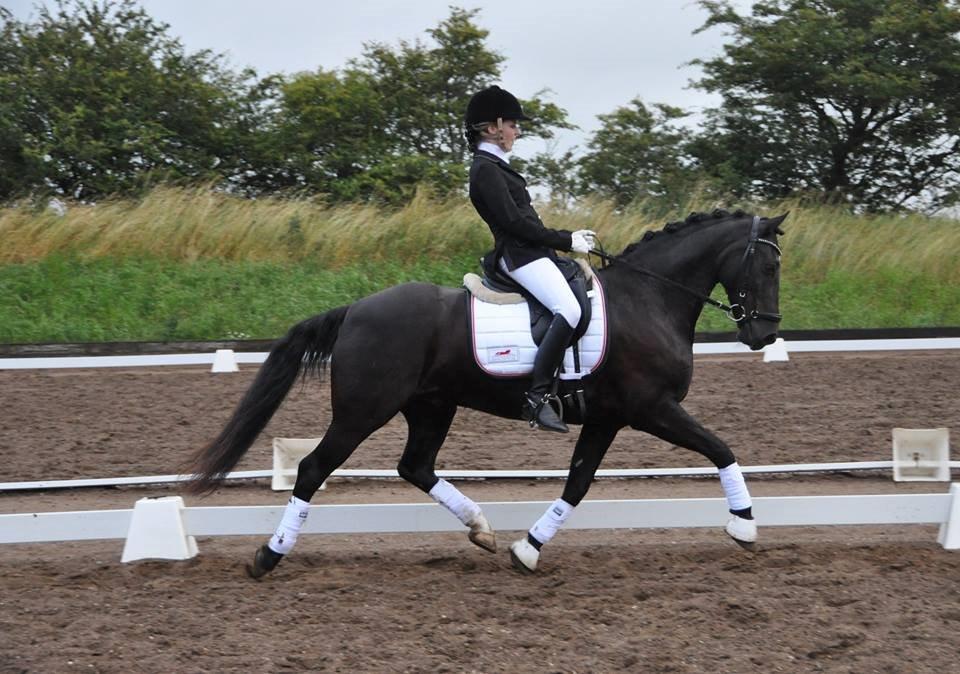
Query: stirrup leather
column 532, row 407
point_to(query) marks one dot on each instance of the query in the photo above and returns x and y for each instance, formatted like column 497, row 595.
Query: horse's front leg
column 672, row 423
column 591, row 446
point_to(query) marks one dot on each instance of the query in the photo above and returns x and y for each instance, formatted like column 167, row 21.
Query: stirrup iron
column 532, row 407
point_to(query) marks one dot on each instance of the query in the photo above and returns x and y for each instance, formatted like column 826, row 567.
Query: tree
column 637, row 154
column 556, row 173
column 100, row 100
column 324, row 132
column 426, row 87
column 97, row 99
column 392, row 118
column 855, row 101
column 18, row 169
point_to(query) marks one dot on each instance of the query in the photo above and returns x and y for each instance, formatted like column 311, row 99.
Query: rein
column 735, row 312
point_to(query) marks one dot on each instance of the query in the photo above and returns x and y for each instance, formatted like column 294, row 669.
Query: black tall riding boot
column 537, row 408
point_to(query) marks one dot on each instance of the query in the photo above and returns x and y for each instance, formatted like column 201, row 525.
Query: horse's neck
column 692, row 260
column 692, row 263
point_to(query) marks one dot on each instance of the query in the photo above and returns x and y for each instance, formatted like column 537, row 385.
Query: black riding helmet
column 492, row 103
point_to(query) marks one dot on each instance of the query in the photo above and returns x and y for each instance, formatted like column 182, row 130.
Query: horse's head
column 738, row 250
column 751, row 277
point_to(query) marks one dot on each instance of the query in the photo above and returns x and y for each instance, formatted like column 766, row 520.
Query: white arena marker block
column 157, row 531
column 287, row 453
column 921, row 454
column 949, row 536
column 224, row 360
column 776, row 351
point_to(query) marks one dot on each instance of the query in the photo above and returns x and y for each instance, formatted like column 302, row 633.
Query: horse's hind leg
column 672, row 423
column 336, row 446
column 428, row 421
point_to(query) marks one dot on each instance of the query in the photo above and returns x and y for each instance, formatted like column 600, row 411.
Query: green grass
column 186, row 264
column 886, row 299
column 68, row 299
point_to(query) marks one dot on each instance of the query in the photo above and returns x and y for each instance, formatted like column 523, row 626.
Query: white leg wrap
column 294, row 516
column 731, row 479
column 550, row 522
column 453, row 500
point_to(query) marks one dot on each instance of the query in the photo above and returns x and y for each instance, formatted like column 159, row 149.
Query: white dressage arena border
column 168, row 531
column 165, row 529
column 705, row 348
column 348, row 473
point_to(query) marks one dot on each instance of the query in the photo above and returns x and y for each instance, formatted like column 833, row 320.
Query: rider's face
column 505, row 134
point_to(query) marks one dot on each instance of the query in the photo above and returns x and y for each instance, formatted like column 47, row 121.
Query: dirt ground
column 837, row 599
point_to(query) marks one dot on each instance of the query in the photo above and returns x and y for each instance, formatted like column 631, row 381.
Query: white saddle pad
column 503, row 345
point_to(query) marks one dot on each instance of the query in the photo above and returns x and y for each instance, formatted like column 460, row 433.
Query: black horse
column 407, row 349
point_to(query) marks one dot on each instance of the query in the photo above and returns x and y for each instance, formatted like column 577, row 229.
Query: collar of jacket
column 499, row 162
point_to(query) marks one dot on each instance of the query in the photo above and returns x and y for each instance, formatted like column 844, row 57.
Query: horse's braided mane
column 692, row 219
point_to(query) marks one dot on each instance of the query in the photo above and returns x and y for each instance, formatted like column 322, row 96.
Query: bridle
column 736, row 312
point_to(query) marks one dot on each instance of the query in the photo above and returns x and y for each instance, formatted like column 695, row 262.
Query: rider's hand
column 582, row 241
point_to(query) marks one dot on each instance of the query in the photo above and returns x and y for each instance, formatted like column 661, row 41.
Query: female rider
column 525, row 248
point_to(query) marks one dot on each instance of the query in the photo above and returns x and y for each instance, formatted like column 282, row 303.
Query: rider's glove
column 582, row 241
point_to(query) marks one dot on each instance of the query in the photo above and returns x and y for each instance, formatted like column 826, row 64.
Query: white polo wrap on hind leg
column 550, row 522
column 294, row 516
column 731, row 479
column 453, row 500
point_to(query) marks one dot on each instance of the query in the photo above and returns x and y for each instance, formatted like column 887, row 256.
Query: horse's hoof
column 524, row 556
column 264, row 561
column 743, row 532
column 482, row 534
column 484, row 539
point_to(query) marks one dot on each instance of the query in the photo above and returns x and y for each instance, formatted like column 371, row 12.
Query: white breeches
column 545, row 282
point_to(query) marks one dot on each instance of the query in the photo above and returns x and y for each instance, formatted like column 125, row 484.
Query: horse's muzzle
column 757, row 334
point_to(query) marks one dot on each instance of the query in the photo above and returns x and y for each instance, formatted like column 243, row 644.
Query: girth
column 540, row 316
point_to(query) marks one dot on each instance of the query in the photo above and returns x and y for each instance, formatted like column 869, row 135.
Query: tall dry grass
column 191, row 224
column 823, row 239
column 199, row 223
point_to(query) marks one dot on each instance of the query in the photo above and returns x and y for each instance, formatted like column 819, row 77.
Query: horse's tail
column 306, row 347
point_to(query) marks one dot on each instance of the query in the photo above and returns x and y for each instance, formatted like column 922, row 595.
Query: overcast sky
column 593, row 56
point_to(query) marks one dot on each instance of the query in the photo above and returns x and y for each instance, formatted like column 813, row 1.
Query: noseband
column 736, row 312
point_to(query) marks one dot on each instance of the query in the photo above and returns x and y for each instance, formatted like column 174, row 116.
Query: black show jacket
column 501, row 198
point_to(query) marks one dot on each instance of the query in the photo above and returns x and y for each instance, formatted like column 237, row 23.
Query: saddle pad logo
column 503, row 355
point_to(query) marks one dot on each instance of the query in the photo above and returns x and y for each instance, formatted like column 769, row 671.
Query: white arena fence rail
column 164, row 529
column 705, row 348
column 532, row 474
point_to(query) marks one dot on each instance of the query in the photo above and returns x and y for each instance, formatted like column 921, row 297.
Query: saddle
column 502, row 330
column 575, row 274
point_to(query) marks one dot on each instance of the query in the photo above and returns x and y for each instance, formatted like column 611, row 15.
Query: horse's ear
column 774, row 223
